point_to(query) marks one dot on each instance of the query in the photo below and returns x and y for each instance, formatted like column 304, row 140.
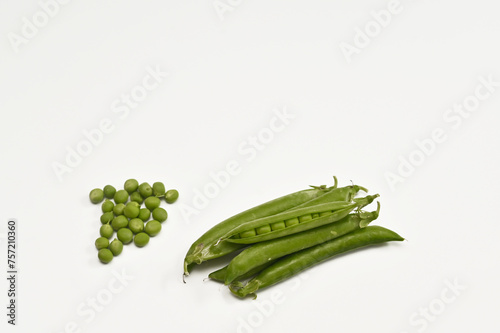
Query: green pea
column 171, row 196
column 101, row 243
column 248, row 233
column 263, row 230
column 96, row 195
column 158, row 189
column 160, row 214
column 105, row 256
column 119, row 222
column 292, row 221
column 152, row 203
column 107, row 206
column 136, row 225
column 141, row 239
column 118, row 209
column 131, row 210
column 131, row 185
column 125, row 235
column 136, row 197
column 107, row 217
column 106, row 231
column 153, row 228
column 305, row 218
column 144, row 214
column 145, row 190
column 109, row 191
column 121, row 196
column 278, row 226
column 116, row 247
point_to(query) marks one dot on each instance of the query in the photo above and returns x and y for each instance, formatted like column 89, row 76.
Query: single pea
column 171, row 196
column 152, row 203
column 153, row 228
column 109, row 191
column 105, row 256
column 145, row 190
column 125, row 235
column 131, row 185
column 305, row 218
column 136, row 197
column 116, row 247
column 119, row 222
column 141, row 239
column 136, row 225
column 158, row 189
column 107, row 217
column 144, row 214
column 118, row 209
column 121, row 196
column 107, row 206
column 160, row 214
column 292, row 221
column 131, row 210
column 101, row 243
column 106, row 231
column 96, row 195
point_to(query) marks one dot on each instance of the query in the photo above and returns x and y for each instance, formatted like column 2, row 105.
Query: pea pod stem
column 261, row 253
column 204, row 247
column 299, row 261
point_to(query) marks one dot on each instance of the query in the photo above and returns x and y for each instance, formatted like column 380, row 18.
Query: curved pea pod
column 299, row 261
column 261, row 253
column 220, row 274
column 204, row 248
column 296, row 220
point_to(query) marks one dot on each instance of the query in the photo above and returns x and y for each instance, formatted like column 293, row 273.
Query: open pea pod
column 209, row 245
column 294, row 221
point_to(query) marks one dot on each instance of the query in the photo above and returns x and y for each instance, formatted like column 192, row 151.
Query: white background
column 356, row 120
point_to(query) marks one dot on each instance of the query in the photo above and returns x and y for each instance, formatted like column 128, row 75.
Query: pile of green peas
column 122, row 213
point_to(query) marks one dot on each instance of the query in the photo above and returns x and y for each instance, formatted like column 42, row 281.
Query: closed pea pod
column 299, row 261
column 220, row 274
column 260, row 253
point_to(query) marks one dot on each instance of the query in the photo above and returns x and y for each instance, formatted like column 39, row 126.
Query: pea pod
column 261, row 253
column 299, row 261
column 204, row 248
column 302, row 218
column 220, row 274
